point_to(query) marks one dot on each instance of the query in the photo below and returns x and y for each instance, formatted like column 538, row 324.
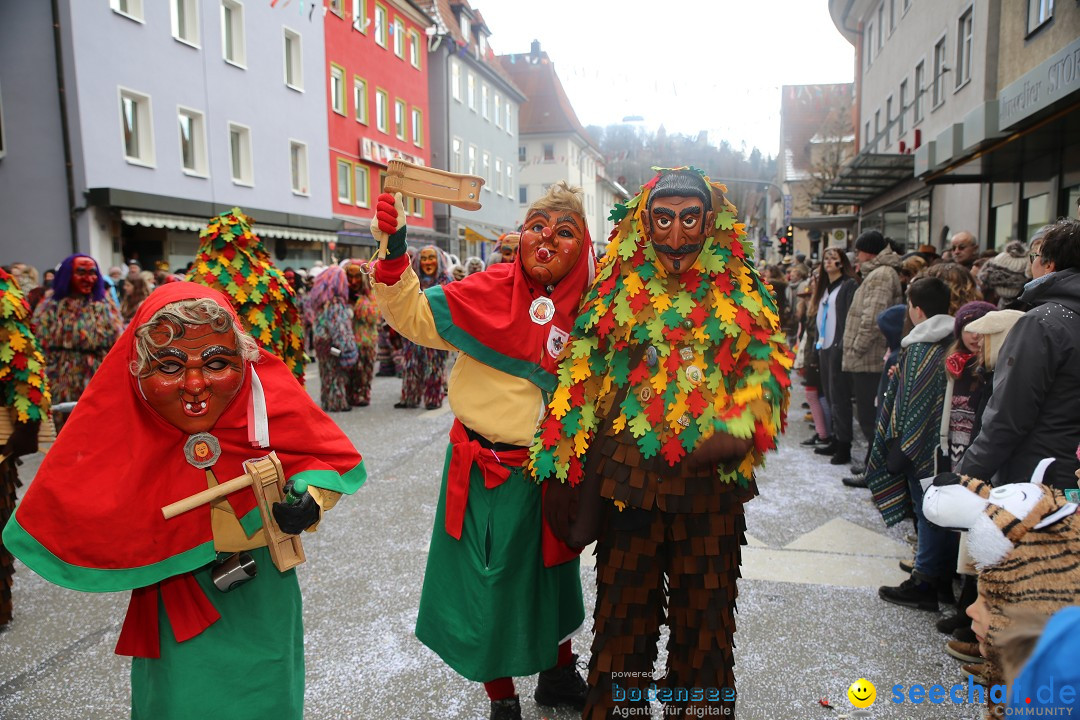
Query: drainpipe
column 61, row 91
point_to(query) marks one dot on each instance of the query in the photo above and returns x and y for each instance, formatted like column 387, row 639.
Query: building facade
column 179, row 110
column 474, row 126
column 377, row 110
column 967, row 113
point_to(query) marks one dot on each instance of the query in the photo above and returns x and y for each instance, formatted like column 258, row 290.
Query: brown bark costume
column 658, row 367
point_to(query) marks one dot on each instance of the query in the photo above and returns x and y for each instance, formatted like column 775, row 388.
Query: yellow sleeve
column 406, row 308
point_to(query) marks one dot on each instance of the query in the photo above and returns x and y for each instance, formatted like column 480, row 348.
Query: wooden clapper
column 455, row 189
column 266, row 478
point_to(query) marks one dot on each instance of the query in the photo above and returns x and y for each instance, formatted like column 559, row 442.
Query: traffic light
column 787, row 241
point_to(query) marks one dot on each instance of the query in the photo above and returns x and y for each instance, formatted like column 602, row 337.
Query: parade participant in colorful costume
column 331, row 319
column 366, row 322
column 76, row 327
column 24, row 394
column 233, row 261
column 184, row 398
column 423, row 379
column 498, row 600
column 673, row 386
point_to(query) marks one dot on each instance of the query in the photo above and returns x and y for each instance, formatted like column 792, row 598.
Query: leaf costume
column 233, row 261
column 657, row 364
column 24, row 392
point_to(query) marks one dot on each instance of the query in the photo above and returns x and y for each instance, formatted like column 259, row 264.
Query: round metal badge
column 542, row 310
column 694, row 374
column 202, row 450
column 650, row 356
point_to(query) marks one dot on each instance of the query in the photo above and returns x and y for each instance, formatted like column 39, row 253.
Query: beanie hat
column 1007, row 272
column 871, row 241
column 891, row 323
column 968, row 312
column 994, row 327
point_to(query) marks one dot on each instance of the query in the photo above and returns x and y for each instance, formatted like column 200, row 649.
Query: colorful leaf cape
column 22, row 366
column 91, row 520
column 233, row 261
column 718, row 313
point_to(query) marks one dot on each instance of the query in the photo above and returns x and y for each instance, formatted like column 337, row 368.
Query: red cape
column 91, row 520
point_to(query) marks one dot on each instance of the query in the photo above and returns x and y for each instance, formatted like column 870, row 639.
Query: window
column 903, row 107
column 939, row 72
column 466, row 27
column 417, row 127
column 414, row 49
column 888, row 121
column 877, row 125
column 128, row 8
column 399, row 38
column 498, row 110
column 869, row 44
column 456, row 158
column 363, row 183
column 498, row 176
column 881, row 26
column 455, row 80
column 471, row 91
column 137, row 125
column 472, row 160
column 523, row 195
column 521, row 153
column 380, row 25
column 1039, row 13
column 359, row 93
column 892, row 16
column 335, row 7
column 185, row 21
column 508, row 116
column 484, row 100
column 866, row 135
column 359, row 15
column 400, row 130
column 294, row 69
column 337, row 89
column 549, row 152
column 382, row 107
column 192, row 142
column 298, row 167
column 482, row 41
column 485, row 169
column 240, row 154
column 232, row 32
column 920, row 89
column 510, row 180
column 963, row 48
column 344, row 181
column 418, row 207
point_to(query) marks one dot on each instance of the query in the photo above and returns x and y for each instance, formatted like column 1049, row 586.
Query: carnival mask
column 429, row 261
column 290, row 277
column 194, row 377
column 550, row 244
column 355, row 277
column 84, row 276
column 677, row 225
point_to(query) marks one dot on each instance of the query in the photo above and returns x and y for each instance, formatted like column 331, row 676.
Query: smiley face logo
column 862, row 693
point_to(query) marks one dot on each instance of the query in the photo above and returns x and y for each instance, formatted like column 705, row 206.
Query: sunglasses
column 1033, row 256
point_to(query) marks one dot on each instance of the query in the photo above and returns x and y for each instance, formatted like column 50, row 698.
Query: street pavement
column 810, row 622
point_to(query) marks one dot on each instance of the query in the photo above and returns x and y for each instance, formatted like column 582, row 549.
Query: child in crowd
column 904, row 447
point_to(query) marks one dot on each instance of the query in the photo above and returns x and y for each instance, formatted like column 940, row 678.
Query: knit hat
column 994, row 326
column 1007, row 272
column 968, row 312
column 871, row 241
column 891, row 323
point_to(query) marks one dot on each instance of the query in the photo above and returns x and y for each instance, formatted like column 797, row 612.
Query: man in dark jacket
column 1034, row 411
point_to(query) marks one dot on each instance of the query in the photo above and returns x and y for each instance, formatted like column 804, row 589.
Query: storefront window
column 918, row 222
column 1038, row 213
column 1072, row 202
column 1002, row 224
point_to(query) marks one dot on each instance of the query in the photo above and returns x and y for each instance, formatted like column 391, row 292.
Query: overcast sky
column 691, row 65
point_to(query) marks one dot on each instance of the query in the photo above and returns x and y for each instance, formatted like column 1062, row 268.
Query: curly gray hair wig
column 174, row 318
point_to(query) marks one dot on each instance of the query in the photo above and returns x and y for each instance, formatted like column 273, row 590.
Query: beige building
column 967, row 115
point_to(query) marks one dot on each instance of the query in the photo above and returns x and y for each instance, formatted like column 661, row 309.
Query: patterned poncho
column 22, row 367
column 715, row 359
column 232, row 260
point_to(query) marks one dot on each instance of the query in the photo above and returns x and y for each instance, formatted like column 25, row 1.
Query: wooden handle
column 193, row 501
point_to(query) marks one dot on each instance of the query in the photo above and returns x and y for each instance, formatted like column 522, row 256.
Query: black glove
column 23, row 440
column 897, row 462
column 296, row 517
column 560, row 507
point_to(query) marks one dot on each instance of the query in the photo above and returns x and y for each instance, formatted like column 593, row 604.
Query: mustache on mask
column 680, row 251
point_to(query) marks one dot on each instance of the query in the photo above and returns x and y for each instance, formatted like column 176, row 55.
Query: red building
column 377, row 105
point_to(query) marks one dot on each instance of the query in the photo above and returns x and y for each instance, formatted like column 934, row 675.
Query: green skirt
column 248, row 664
column 489, row 607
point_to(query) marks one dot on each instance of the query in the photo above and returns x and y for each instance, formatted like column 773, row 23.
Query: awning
column 825, row 222
column 190, row 223
column 867, row 176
